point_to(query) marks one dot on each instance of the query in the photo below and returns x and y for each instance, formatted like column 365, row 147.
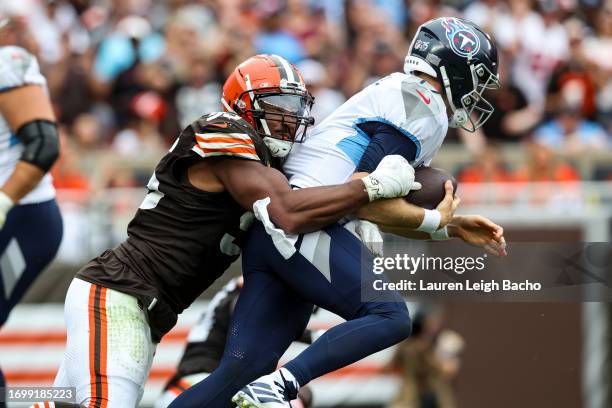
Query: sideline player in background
column 450, row 64
column 206, row 342
column 30, row 220
column 190, row 227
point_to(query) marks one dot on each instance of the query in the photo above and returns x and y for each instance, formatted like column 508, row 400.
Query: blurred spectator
column 386, row 61
column 428, row 361
column 538, row 43
column 131, row 41
column 200, row 94
column 492, row 16
column 86, row 133
column 17, row 31
column 309, row 24
column 375, row 46
column 66, row 173
column 274, row 38
column 120, row 63
column 141, row 137
column 572, row 81
column 569, row 133
column 597, row 51
column 70, row 86
column 544, row 166
column 121, row 177
column 190, row 30
column 487, row 168
column 326, row 98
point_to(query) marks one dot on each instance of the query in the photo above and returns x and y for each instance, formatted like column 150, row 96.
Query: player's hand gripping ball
column 432, row 187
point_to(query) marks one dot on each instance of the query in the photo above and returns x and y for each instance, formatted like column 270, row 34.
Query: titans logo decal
column 463, row 40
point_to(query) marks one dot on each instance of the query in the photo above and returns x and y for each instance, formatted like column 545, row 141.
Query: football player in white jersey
column 30, row 221
column 450, row 64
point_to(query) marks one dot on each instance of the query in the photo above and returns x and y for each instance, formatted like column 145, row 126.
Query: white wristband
column 6, row 203
column 431, row 221
column 440, row 235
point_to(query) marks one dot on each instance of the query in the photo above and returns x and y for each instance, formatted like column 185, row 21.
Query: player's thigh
column 108, row 350
column 61, row 378
column 330, row 269
column 124, row 393
column 268, row 316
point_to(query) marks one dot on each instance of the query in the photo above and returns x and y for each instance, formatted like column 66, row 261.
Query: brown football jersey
column 181, row 238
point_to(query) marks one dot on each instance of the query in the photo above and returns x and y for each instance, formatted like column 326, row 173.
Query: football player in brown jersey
column 206, row 343
column 189, row 227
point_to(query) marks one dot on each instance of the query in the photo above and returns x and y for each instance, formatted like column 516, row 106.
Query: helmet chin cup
column 277, row 147
column 458, row 119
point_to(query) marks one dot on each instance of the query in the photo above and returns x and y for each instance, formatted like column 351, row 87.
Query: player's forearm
column 25, row 178
column 394, row 212
column 451, row 231
column 406, row 233
column 310, row 209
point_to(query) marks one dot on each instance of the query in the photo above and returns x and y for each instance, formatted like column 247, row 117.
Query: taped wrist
column 41, row 143
column 373, row 186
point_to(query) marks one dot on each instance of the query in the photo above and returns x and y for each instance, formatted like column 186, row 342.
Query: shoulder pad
column 419, row 99
column 17, row 68
column 226, row 134
column 224, row 121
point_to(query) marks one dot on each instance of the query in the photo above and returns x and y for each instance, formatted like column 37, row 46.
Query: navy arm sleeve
column 384, row 140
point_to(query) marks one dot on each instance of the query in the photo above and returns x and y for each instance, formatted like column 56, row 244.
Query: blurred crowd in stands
column 126, row 75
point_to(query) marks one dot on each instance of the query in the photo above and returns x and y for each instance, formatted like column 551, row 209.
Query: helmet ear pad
column 461, row 82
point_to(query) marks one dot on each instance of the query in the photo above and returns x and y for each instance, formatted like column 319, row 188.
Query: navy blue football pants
column 29, row 241
column 275, row 305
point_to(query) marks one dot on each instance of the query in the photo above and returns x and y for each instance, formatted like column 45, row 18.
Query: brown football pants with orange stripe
column 108, row 348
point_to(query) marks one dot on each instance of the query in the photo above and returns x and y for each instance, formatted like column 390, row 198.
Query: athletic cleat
column 267, row 392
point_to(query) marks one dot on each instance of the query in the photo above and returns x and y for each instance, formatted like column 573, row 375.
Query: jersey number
column 227, row 245
column 151, row 199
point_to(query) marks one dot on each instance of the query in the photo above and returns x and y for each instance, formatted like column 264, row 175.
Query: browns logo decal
column 462, row 38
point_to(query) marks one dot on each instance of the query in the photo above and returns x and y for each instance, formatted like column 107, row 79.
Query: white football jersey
column 332, row 150
column 18, row 68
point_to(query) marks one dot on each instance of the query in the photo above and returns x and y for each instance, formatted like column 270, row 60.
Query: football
column 432, row 191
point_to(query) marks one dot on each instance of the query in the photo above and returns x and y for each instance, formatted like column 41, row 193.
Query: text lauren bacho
column 467, row 286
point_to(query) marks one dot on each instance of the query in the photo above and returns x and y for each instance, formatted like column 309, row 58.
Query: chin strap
column 458, row 119
column 459, row 116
